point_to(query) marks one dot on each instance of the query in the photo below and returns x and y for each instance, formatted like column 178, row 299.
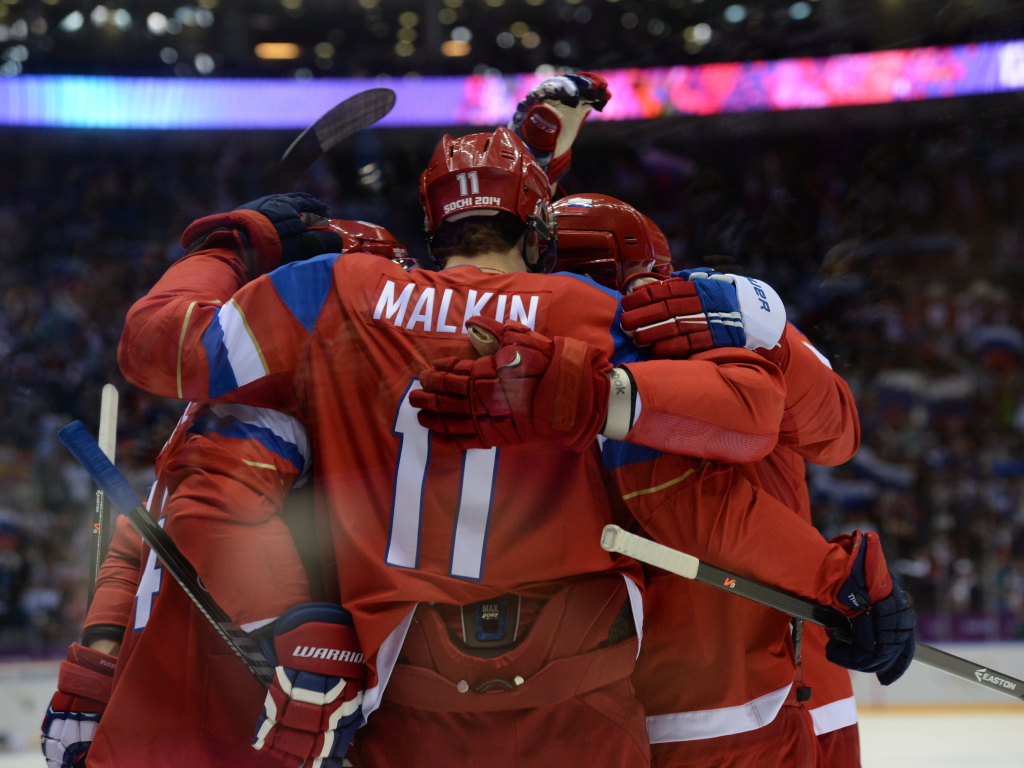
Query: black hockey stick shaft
column 77, row 439
column 796, row 607
column 615, row 539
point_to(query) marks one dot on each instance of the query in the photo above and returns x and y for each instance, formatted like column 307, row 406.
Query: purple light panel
column 808, row 83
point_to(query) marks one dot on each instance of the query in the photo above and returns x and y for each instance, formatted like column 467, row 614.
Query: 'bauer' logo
column 761, row 295
column 984, row 677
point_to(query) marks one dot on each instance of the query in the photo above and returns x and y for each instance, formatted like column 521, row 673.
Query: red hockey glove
column 549, row 118
column 314, row 705
column 533, row 389
column 267, row 232
column 700, row 309
column 668, row 317
column 883, row 621
column 83, row 690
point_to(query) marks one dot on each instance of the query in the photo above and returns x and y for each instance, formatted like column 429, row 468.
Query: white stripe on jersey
column 711, row 723
column 286, row 427
column 244, row 355
column 834, row 715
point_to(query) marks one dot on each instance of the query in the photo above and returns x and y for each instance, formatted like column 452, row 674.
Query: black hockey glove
column 267, row 232
column 298, row 241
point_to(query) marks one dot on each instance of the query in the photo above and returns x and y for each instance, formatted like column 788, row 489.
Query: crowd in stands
column 901, row 254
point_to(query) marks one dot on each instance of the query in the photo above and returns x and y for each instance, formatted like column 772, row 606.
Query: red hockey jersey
column 340, row 342
column 711, row 664
column 180, row 696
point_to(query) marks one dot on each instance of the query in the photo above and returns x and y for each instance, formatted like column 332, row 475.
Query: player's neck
column 493, row 262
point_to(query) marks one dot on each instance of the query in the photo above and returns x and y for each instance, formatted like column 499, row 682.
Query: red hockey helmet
column 608, row 240
column 487, row 172
column 363, row 237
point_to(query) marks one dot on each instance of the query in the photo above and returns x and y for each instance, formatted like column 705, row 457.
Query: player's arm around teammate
column 223, row 252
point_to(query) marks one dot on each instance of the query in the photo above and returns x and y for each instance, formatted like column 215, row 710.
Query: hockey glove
column 314, row 704
column 549, row 118
column 883, row 621
column 533, row 389
column 269, row 232
column 697, row 310
column 83, row 690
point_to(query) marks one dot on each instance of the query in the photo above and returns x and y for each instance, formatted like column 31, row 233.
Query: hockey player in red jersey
column 728, row 639
column 746, row 712
column 696, row 634
column 233, row 459
column 179, row 696
column 610, row 242
column 604, row 239
column 479, row 527
column 820, row 425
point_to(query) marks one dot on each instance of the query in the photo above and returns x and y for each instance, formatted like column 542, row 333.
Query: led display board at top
column 806, row 83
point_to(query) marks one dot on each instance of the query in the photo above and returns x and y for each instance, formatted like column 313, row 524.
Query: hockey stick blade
column 83, row 447
column 338, row 123
column 615, row 539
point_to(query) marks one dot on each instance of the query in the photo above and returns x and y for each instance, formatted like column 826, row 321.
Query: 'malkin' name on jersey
column 414, row 307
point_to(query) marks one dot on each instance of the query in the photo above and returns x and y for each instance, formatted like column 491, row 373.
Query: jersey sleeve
column 820, row 421
column 718, row 513
column 118, row 578
column 201, row 334
column 725, row 404
column 224, row 483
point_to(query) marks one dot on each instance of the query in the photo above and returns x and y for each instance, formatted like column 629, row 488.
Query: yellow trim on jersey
column 252, row 337
column 259, row 464
column 181, row 341
column 663, row 486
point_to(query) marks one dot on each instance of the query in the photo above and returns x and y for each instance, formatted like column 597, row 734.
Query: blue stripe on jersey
column 303, row 286
column 229, row 426
column 625, row 351
column 222, row 377
column 616, row 453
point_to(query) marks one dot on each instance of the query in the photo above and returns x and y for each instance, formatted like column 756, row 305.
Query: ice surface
column 985, row 738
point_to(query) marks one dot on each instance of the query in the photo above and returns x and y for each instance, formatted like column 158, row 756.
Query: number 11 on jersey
column 475, row 498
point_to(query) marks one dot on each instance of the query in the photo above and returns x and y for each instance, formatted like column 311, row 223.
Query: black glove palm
column 298, row 241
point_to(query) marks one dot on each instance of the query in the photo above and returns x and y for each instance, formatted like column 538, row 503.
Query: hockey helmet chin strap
column 543, row 223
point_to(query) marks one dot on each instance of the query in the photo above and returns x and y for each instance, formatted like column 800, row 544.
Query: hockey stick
column 101, row 515
column 614, row 539
column 338, row 123
column 77, row 439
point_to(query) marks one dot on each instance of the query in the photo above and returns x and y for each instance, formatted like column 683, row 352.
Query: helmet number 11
column 473, row 187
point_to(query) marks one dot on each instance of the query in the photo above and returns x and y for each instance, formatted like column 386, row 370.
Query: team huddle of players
column 469, row 430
